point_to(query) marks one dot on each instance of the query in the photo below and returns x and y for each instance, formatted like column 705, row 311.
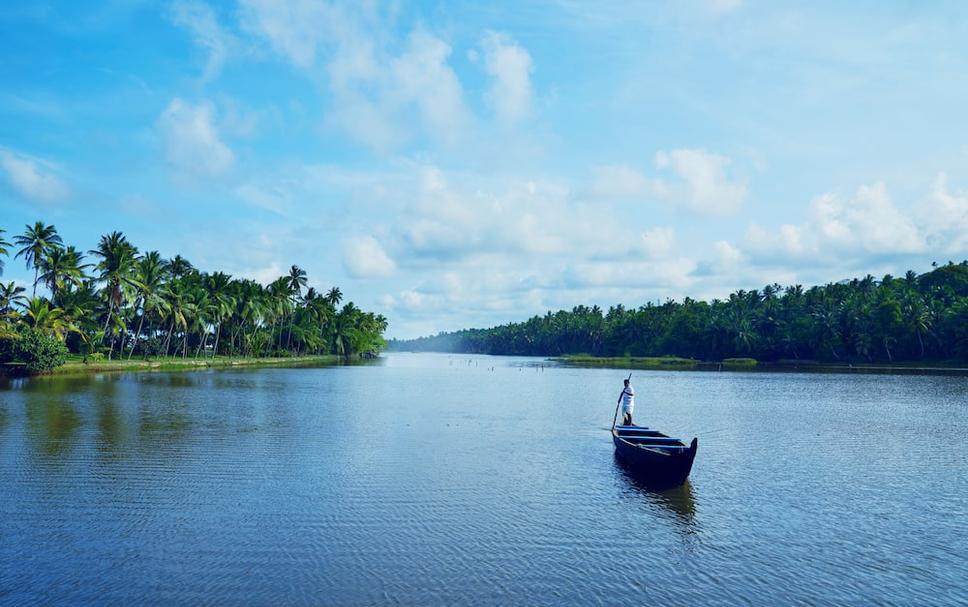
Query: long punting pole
column 615, row 417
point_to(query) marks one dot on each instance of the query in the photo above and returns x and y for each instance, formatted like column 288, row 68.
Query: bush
column 33, row 351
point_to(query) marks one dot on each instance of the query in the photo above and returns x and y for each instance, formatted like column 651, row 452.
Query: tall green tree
column 35, row 242
column 4, row 251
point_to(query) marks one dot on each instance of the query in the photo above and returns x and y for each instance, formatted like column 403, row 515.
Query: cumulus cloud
column 193, row 147
column 374, row 89
column 32, row 178
column 365, row 258
column 421, row 76
column 658, row 243
column 945, row 218
column 865, row 228
column 867, row 221
column 509, row 65
column 623, row 181
column 705, row 186
column 787, row 241
column 200, row 20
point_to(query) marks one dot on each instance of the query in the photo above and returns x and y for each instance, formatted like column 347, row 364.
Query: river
column 454, row 480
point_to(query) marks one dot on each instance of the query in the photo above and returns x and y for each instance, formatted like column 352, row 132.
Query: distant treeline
column 916, row 317
column 118, row 301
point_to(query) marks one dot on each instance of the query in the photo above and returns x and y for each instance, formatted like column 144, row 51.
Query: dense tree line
column 116, row 301
column 893, row 319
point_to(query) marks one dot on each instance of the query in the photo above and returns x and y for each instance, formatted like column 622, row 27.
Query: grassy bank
column 751, row 364
column 76, row 365
column 631, row 362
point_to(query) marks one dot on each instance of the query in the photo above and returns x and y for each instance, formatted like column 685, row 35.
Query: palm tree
column 117, row 260
column 334, row 296
column 10, row 294
column 295, row 281
column 39, row 315
column 35, row 241
column 221, row 303
column 61, row 269
column 150, row 272
column 179, row 267
column 3, row 250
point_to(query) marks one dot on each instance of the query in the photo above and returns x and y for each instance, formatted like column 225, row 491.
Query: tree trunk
column 218, row 333
column 201, row 343
column 289, row 335
column 168, row 336
column 921, row 341
column 888, row 349
column 137, row 335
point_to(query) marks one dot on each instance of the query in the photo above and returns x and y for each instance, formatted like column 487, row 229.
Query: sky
column 455, row 165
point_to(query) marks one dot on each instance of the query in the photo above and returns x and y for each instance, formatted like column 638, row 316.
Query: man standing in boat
column 627, row 398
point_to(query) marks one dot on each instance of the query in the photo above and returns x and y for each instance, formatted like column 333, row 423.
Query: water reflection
column 680, row 500
column 53, row 423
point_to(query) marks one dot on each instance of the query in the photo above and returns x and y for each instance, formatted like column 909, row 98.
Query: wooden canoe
column 657, row 459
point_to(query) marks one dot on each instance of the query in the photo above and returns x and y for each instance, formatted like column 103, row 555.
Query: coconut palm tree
column 150, row 272
column 334, row 297
column 221, row 302
column 117, row 258
column 62, row 269
column 296, row 280
column 39, row 315
column 3, row 250
column 179, row 267
column 11, row 294
column 36, row 240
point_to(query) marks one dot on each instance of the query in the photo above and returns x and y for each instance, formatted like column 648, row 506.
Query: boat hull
column 658, row 465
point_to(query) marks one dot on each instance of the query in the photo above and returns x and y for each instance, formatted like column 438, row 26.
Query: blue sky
column 467, row 164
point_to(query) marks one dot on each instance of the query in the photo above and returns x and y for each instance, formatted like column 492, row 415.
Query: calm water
column 425, row 480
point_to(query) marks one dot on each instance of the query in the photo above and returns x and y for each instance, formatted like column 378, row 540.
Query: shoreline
column 77, row 367
column 754, row 366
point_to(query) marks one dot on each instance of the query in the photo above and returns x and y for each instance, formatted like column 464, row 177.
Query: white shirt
column 628, row 399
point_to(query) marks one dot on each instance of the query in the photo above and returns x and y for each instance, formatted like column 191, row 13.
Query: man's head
column 626, row 382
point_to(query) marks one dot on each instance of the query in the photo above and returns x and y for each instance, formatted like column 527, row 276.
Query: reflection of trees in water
column 162, row 426
column 680, row 500
column 53, row 424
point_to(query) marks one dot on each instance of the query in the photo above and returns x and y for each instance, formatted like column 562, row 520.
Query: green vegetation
column 32, row 350
column 739, row 363
column 632, row 362
column 912, row 318
column 126, row 304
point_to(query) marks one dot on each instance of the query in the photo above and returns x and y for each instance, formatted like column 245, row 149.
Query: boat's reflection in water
column 679, row 500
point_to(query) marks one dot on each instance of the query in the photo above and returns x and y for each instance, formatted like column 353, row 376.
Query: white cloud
column 294, row 28
column 421, row 76
column 708, row 189
column 200, row 20
column 658, row 243
column 411, row 299
column 623, row 181
column 374, row 90
column 788, row 241
column 509, row 66
column 868, row 221
column 192, row 144
column 945, row 217
column 366, row 258
column 31, row 177
column 669, row 273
